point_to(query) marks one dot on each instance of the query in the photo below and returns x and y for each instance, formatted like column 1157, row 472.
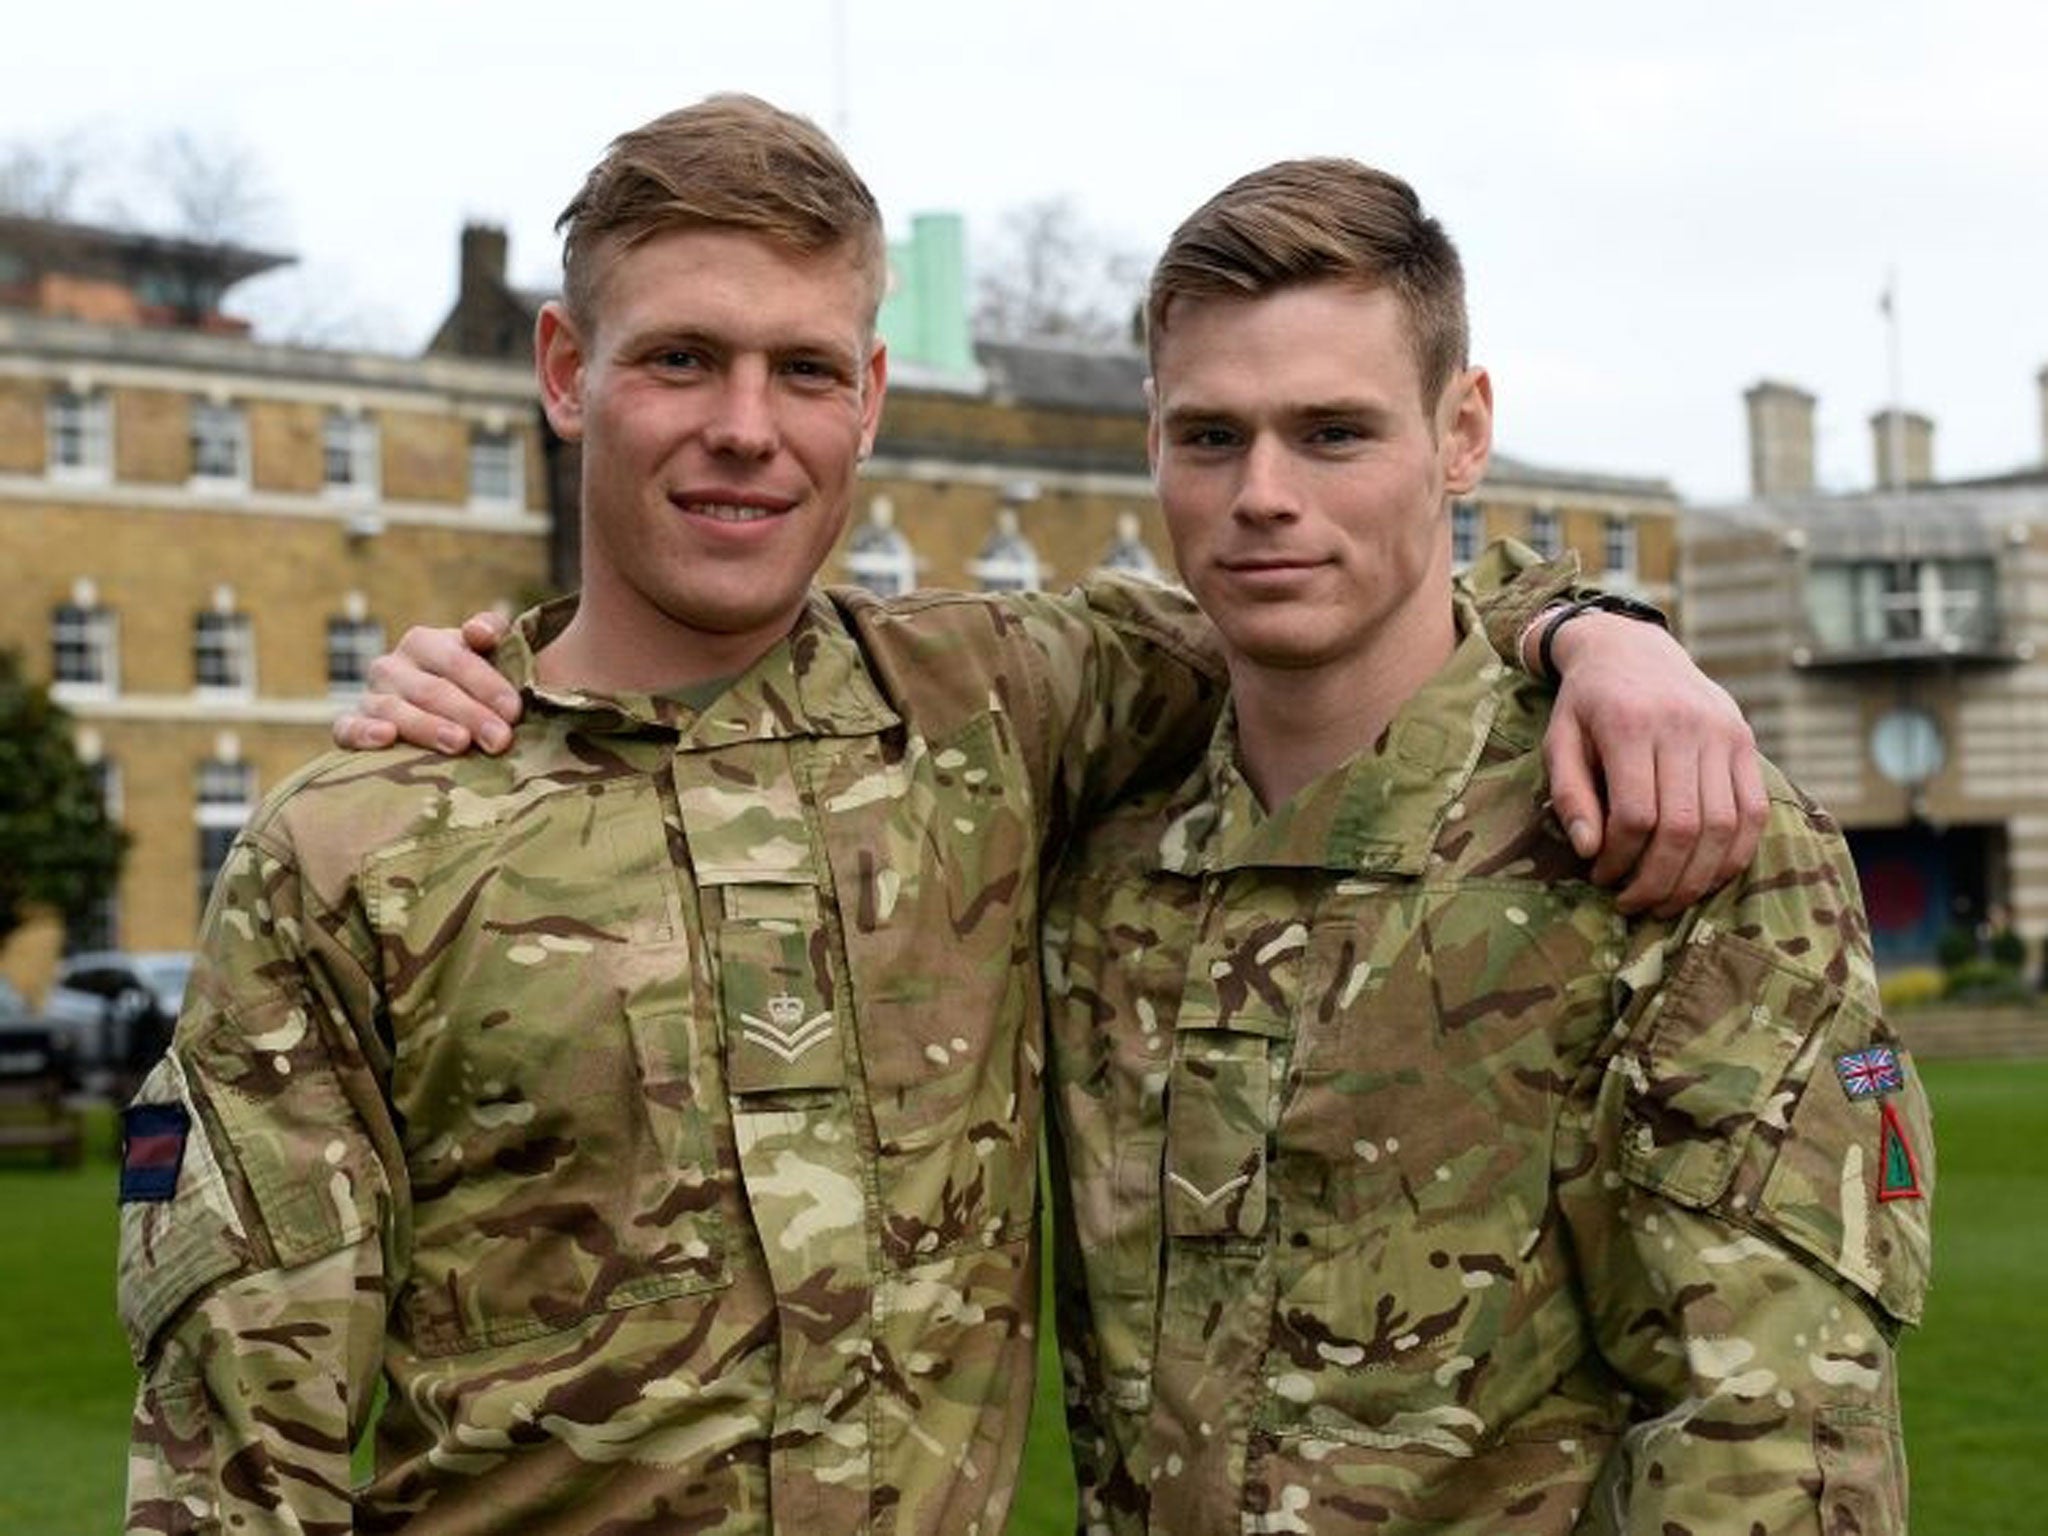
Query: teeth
column 721, row 512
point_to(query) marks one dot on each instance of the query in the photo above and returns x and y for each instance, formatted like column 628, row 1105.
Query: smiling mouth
column 728, row 512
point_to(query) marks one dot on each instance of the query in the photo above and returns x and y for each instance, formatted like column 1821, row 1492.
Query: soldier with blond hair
column 637, row 1130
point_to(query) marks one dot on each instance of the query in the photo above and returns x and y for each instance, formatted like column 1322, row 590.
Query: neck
column 629, row 648
column 1296, row 724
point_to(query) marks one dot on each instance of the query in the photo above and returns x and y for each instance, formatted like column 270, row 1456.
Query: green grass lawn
column 1973, row 1419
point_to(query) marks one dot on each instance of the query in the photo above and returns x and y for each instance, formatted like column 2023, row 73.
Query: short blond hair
column 728, row 162
column 1321, row 220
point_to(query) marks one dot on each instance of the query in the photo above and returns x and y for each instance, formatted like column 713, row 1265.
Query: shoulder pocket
column 1735, row 1102
column 1711, row 1065
column 173, row 1250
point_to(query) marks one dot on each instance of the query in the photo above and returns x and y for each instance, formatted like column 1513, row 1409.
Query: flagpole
column 1895, row 423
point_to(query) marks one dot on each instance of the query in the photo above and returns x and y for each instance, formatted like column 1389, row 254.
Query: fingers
column 1574, row 796
column 1698, row 823
column 483, row 630
column 359, row 732
column 436, row 691
column 439, row 716
column 1628, row 763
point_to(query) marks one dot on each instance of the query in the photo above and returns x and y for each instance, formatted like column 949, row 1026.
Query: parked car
column 29, row 1046
column 118, row 1009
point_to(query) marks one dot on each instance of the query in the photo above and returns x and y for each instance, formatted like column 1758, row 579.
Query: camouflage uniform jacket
column 1404, row 1185
column 650, row 1113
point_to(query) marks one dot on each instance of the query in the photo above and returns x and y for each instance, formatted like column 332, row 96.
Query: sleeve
column 257, row 1225
column 1750, row 1213
column 1512, row 584
column 1128, row 683
column 1101, row 1483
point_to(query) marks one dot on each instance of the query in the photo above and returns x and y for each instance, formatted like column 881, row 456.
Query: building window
column 227, row 798
column 1546, row 536
column 494, row 469
column 1618, row 547
column 220, row 444
column 1903, row 606
column 878, row 556
column 223, row 650
column 353, row 642
column 99, row 926
column 1468, row 533
column 1007, row 562
column 1128, row 554
column 84, row 653
column 81, row 436
column 349, row 456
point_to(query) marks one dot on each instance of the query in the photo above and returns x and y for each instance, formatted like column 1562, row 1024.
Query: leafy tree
column 57, row 846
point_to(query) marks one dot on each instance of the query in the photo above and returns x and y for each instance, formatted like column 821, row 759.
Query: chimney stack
column 2042, row 379
column 1780, row 439
column 483, row 261
column 1914, row 461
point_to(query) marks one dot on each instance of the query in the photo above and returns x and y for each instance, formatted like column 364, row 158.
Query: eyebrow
column 1342, row 408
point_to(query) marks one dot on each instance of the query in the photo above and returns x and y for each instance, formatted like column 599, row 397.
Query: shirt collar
column 813, row 682
column 1378, row 813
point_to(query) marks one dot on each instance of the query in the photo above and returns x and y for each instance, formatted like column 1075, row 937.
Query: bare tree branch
column 1054, row 278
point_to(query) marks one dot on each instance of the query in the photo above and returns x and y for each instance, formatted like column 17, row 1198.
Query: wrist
column 1554, row 647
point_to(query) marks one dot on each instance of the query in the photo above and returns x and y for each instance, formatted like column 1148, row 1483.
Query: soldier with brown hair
column 637, row 1130
column 1405, row 1183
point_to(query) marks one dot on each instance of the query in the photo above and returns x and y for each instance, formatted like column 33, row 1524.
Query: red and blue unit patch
column 152, row 1150
column 1868, row 1073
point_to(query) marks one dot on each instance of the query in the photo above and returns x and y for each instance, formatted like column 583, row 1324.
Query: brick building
column 206, row 536
column 1891, row 648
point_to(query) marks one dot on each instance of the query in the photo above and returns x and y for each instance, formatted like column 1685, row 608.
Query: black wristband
column 1599, row 602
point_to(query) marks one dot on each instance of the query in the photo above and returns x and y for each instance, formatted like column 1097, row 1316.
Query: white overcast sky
column 1658, row 203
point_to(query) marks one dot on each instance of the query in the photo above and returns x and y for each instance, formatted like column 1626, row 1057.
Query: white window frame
column 1008, row 562
column 496, row 455
column 229, row 635
column 224, row 802
column 1618, row 546
column 349, row 443
column 219, row 425
column 81, row 436
column 360, row 641
column 1128, row 553
column 1468, row 533
column 1912, row 605
column 97, row 635
column 1546, row 532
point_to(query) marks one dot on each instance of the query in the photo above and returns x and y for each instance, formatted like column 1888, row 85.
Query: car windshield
column 166, row 976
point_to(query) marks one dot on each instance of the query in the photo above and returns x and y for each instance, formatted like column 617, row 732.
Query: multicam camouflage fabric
column 1407, row 1186
column 652, row 1110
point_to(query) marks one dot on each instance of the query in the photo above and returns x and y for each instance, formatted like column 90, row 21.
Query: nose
column 1265, row 487
column 742, row 420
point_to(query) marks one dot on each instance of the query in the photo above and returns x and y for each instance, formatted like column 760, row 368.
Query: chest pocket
column 1243, row 978
column 934, row 853
column 546, row 1072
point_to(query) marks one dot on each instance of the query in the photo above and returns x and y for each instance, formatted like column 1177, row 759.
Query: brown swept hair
column 1313, row 221
column 728, row 162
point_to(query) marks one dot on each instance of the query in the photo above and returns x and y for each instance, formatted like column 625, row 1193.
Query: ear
column 874, row 385
column 1152, row 425
column 1465, row 430
column 558, row 354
